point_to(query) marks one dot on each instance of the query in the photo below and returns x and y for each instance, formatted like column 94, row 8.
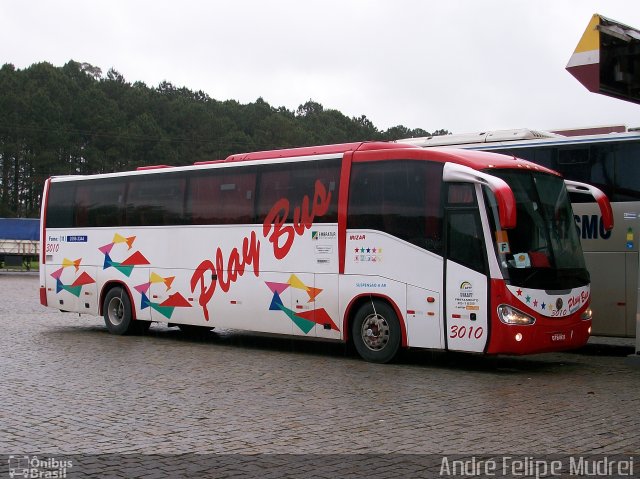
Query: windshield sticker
column 522, row 260
column 502, row 240
column 630, row 238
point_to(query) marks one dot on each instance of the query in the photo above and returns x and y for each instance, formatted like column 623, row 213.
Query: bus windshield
column 543, row 251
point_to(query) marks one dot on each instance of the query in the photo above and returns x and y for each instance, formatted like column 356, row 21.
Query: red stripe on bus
column 343, row 202
column 43, row 226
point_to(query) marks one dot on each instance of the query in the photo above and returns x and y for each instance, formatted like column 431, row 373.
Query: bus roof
column 316, row 150
column 478, row 137
column 374, row 150
column 481, row 160
column 514, row 138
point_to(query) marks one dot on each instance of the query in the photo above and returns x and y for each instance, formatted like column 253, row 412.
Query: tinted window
column 465, row 244
column 542, row 156
column 627, row 172
column 401, row 198
column 464, row 239
column 218, row 196
column 60, row 205
column 100, row 203
column 294, row 181
column 156, row 200
column 588, row 164
column 592, row 164
column 461, row 194
column 224, row 196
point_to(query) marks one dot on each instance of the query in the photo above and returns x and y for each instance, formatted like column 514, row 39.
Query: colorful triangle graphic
column 276, row 303
column 83, row 279
column 135, row 259
column 176, row 301
column 319, row 316
column 74, row 290
column 277, row 288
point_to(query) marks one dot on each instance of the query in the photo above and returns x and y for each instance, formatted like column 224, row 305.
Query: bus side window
column 156, row 200
column 81, row 207
column 627, row 187
column 589, row 164
column 61, row 200
column 292, row 182
column 274, row 185
column 100, row 203
column 365, row 198
column 224, row 196
column 401, row 198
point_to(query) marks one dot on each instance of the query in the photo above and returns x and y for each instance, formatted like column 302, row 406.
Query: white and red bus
column 610, row 162
column 382, row 244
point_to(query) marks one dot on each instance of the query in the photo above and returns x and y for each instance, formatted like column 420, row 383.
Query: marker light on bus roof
column 510, row 315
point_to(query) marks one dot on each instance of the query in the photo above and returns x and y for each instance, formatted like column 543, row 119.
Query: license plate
column 555, row 337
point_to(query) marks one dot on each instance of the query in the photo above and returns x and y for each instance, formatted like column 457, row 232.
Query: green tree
column 75, row 120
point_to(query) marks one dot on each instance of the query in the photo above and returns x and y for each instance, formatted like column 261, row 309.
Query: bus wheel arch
column 381, row 314
column 116, row 307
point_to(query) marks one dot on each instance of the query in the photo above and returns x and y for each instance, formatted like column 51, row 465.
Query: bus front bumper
column 541, row 338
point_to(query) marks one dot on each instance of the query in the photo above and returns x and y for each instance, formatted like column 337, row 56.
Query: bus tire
column 118, row 315
column 376, row 332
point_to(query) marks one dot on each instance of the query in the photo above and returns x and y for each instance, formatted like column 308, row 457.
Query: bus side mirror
column 454, row 172
column 600, row 197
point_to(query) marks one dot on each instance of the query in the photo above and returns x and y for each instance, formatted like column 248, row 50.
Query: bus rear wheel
column 118, row 314
column 376, row 332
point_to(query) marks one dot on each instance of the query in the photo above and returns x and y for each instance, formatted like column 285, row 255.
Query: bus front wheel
column 376, row 332
column 118, row 314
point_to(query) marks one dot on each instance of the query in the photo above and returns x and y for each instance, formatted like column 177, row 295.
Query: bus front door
column 466, row 283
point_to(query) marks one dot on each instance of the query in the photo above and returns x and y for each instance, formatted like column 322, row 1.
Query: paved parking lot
column 70, row 389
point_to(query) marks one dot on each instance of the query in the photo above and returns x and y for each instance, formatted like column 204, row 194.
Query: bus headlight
column 587, row 315
column 510, row 315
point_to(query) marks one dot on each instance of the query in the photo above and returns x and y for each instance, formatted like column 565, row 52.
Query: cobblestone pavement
column 69, row 388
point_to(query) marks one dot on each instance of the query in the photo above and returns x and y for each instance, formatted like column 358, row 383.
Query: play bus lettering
column 381, row 244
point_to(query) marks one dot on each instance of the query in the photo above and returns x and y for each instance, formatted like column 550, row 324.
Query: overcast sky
column 461, row 65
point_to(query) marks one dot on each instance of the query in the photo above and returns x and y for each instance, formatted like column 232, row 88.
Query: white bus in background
column 382, row 244
column 610, row 162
